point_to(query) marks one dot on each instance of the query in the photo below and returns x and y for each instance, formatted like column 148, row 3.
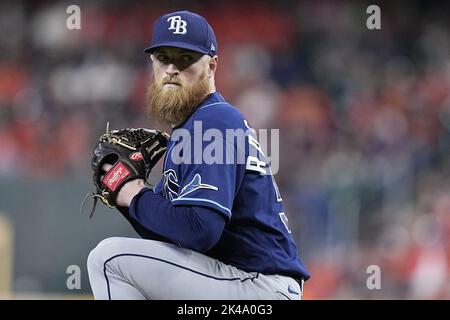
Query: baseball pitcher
column 214, row 227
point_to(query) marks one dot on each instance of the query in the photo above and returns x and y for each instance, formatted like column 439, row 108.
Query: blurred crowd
column 364, row 118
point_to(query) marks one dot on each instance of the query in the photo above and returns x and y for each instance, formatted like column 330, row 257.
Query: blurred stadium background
column 364, row 119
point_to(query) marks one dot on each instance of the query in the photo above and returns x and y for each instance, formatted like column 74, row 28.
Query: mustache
column 172, row 79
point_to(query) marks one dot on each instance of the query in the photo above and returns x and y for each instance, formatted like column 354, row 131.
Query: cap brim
column 177, row 45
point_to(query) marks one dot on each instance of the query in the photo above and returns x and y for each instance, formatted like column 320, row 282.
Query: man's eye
column 163, row 58
column 187, row 58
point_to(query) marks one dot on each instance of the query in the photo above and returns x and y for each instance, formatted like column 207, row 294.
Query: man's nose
column 172, row 69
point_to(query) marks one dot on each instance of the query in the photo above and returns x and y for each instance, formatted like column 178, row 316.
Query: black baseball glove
column 132, row 153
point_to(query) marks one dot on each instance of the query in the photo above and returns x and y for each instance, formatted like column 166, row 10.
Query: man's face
column 184, row 65
column 181, row 80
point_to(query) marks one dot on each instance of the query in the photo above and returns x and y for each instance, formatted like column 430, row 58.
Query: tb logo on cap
column 178, row 25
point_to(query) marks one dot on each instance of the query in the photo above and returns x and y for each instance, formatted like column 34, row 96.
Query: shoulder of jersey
column 220, row 115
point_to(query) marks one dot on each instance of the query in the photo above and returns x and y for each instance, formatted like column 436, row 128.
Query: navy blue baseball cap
column 183, row 29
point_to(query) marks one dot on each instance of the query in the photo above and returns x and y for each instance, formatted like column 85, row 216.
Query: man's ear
column 151, row 58
column 212, row 66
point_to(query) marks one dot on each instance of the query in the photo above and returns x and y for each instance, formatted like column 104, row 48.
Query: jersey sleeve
column 209, row 186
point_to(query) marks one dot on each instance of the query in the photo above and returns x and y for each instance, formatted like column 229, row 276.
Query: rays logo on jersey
column 171, row 186
column 195, row 184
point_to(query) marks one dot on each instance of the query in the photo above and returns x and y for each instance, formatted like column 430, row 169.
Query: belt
column 300, row 282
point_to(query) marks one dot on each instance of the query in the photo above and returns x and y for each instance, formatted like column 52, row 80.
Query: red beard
column 174, row 105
